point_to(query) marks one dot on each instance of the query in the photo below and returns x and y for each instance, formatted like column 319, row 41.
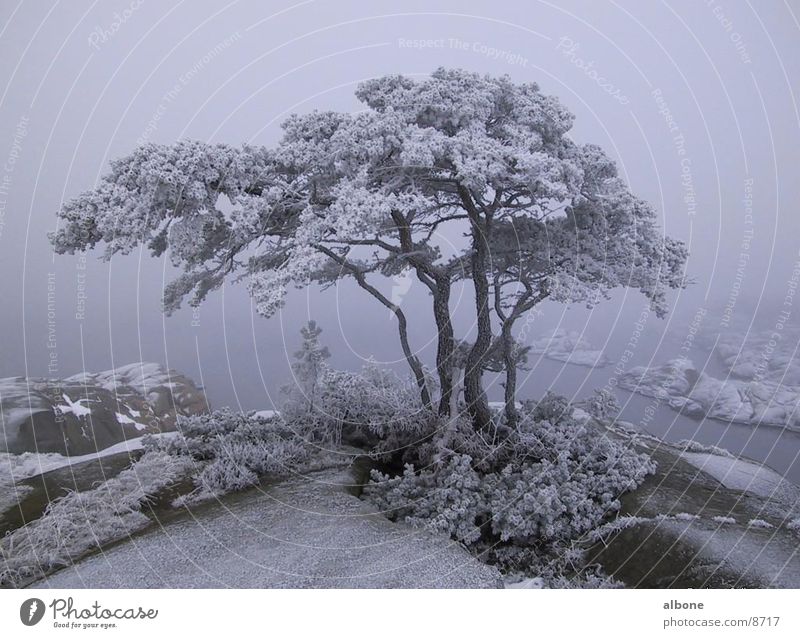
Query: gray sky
column 82, row 82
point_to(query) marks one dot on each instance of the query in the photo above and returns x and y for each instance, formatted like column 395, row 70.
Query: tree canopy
column 373, row 193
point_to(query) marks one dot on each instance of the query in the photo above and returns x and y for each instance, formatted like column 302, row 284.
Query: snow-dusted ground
column 569, row 347
column 746, row 476
column 30, row 464
column 11, row 493
column 307, row 532
column 706, row 518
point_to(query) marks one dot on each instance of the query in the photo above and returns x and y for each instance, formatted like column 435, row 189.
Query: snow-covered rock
column 569, row 347
column 92, row 411
column 681, row 386
column 767, row 356
column 703, row 520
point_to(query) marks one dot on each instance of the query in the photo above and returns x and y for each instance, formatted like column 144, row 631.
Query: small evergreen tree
column 307, row 370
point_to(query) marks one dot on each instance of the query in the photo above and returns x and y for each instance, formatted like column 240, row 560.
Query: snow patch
column 129, row 421
column 77, row 408
column 745, row 476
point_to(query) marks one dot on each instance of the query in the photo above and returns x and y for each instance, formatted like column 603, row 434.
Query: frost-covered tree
column 382, row 192
column 606, row 238
column 307, row 369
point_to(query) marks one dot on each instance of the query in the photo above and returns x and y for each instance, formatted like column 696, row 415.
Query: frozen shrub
column 448, row 501
column 224, row 474
column 602, row 405
column 373, row 408
column 693, row 446
column 231, row 450
column 550, row 481
column 83, row 521
column 553, row 407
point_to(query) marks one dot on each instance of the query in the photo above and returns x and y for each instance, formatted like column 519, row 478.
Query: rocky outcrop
column 705, row 519
column 92, row 411
column 569, row 347
column 767, row 356
column 681, row 386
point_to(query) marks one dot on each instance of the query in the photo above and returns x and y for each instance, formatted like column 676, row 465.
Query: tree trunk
column 511, row 375
column 473, row 374
column 413, row 361
column 445, row 348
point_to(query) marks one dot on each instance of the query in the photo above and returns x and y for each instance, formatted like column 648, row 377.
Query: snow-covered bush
column 374, row 409
column 602, row 405
column 80, row 522
column 549, row 481
column 231, row 450
column 449, row 500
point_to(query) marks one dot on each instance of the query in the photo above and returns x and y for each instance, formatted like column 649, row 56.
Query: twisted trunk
column 524, row 303
column 473, row 374
column 510, row 362
column 439, row 282
column 445, row 348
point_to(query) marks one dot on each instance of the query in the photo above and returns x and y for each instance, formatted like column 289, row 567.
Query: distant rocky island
column 759, row 383
column 569, row 347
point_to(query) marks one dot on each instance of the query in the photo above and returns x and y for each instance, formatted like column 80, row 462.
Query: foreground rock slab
column 705, row 519
column 310, row 531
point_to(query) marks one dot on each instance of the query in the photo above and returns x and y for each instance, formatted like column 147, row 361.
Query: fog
column 695, row 100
